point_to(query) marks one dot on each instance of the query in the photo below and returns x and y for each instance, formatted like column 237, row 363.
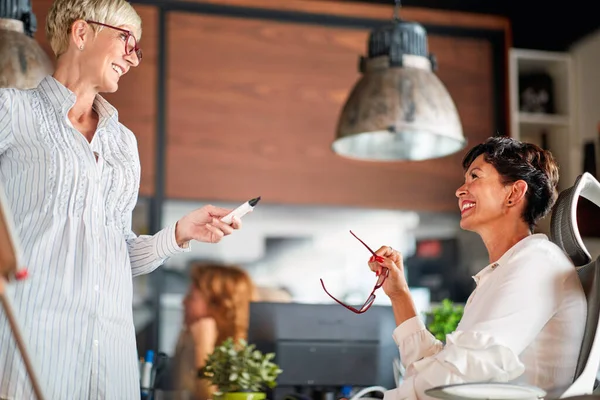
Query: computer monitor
column 326, row 345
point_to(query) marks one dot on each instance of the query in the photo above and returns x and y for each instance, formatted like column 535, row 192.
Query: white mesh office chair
column 565, row 233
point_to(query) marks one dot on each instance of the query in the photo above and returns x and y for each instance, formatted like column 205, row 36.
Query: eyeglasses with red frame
column 131, row 44
column 378, row 284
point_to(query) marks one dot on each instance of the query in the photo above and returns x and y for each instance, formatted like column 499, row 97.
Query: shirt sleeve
column 523, row 300
column 467, row 357
column 6, row 133
column 148, row 252
column 415, row 342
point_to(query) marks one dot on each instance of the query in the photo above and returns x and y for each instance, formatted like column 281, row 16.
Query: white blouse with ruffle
column 524, row 323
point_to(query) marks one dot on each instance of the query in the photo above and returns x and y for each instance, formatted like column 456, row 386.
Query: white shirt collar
column 485, row 272
column 62, row 99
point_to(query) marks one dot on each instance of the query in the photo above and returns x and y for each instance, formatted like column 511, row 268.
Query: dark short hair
column 515, row 160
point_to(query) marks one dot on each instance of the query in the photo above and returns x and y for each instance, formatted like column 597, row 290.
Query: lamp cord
column 397, row 10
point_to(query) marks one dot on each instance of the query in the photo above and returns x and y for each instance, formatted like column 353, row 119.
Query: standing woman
column 71, row 174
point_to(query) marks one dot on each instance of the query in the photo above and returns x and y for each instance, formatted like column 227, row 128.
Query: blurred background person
column 216, row 307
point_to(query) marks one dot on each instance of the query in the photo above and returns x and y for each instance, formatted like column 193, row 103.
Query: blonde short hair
column 64, row 13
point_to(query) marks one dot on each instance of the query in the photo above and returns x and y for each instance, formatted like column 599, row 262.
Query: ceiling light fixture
column 23, row 63
column 399, row 110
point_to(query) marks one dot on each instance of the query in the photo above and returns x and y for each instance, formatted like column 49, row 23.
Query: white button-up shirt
column 72, row 214
column 524, row 322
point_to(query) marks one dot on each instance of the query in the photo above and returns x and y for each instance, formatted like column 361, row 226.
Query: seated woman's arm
column 503, row 318
column 467, row 357
column 414, row 341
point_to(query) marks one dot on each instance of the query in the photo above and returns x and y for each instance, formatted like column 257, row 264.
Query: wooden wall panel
column 136, row 98
column 364, row 9
column 253, row 104
column 40, row 9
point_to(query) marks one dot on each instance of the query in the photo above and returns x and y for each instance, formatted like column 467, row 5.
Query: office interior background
column 240, row 98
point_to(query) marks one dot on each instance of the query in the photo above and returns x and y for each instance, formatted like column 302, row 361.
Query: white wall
column 295, row 246
column 586, row 62
column 306, row 244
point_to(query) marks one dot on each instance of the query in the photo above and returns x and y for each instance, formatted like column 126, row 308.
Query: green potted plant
column 444, row 319
column 240, row 371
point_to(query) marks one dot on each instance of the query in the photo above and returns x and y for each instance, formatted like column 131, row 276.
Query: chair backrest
column 565, row 233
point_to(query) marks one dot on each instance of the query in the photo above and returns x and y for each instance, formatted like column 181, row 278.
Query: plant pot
column 244, row 396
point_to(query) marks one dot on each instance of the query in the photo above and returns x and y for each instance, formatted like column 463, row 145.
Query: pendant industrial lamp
column 399, row 110
column 23, row 63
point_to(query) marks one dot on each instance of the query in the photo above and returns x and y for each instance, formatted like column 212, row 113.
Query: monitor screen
column 326, row 345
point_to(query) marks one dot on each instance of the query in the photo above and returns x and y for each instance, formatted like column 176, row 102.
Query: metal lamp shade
column 399, row 110
column 398, row 113
column 23, row 63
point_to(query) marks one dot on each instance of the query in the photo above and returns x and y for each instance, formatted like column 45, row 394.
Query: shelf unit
column 556, row 132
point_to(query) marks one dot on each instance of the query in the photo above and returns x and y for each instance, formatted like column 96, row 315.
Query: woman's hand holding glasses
column 386, row 262
column 391, row 264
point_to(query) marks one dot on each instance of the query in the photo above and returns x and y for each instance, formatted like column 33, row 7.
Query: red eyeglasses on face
column 378, row 284
column 130, row 40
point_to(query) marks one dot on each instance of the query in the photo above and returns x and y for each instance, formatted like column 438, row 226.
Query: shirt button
column 96, row 288
column 96, row 343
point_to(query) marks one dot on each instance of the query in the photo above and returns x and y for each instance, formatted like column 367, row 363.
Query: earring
column 81, row 47
column 510, row 202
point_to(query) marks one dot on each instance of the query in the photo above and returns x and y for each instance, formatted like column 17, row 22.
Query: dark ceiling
column 536, row 24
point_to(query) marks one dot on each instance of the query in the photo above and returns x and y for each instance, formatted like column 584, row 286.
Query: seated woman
column 525, row 320
column 216, row 307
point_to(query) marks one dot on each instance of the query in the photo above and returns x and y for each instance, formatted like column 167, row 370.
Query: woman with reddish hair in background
column 216, row 307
